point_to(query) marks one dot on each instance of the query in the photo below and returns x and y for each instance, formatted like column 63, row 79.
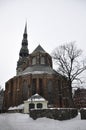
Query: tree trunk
column 71, row 104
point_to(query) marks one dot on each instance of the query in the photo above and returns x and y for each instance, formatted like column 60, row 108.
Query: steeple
column 24, row 52
column 25, row 30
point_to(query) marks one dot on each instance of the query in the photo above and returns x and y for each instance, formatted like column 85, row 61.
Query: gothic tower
column 23, row 54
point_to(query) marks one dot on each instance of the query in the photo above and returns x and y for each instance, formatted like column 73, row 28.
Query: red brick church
column 35, row 74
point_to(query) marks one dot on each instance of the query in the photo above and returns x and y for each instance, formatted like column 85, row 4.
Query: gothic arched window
column 25, row 90
column 49, row 86
column 33, row 60
column 41, row 86
column 50, row 92
column 33, row 86
column 42, row 60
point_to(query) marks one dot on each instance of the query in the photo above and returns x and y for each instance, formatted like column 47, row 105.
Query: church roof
column 38, row 69
column 39, row 49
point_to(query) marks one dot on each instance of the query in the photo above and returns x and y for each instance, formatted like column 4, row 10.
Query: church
column 35, row 74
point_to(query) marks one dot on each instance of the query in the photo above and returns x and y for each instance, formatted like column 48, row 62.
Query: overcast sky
column 50, row 23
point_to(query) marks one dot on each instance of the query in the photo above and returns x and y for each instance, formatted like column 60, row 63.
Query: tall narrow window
column 33, row 86
column 50, row 92
column 42, row 60
column 33, row 60
column 40, row 87
column 25, row 90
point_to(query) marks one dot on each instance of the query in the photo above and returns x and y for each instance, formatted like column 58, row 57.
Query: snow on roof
column 36, row 97
column 21, row 106
column 38, row 69
column 83, row 109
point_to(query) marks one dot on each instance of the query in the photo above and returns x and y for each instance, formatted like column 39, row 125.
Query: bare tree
column 69, row 62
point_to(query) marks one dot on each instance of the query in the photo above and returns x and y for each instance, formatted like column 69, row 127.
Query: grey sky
column 50, row 23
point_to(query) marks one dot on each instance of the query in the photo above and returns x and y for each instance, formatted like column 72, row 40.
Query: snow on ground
column 18, row 121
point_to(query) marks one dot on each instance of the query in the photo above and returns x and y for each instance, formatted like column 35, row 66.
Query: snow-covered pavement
column 18, row 121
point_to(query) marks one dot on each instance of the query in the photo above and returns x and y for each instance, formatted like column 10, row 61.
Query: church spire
column 25, row 30
column 24, row 49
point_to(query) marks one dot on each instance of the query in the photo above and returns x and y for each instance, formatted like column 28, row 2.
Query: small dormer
column 40, row 57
